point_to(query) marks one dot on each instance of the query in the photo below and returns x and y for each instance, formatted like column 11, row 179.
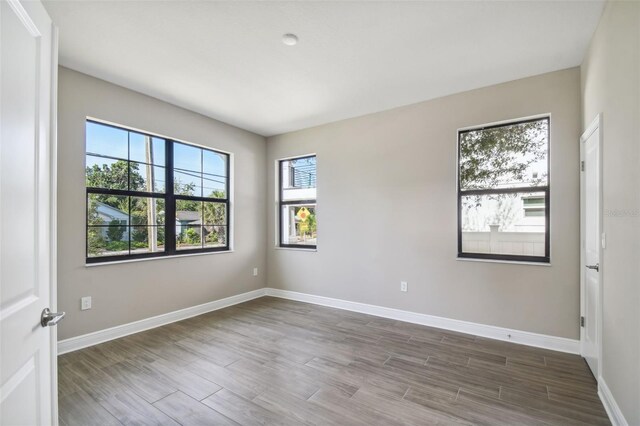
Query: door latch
column 49, row 319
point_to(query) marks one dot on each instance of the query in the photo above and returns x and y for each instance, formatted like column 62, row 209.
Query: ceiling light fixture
column 290, row 39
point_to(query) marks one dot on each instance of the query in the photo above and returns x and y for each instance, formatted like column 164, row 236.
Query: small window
column 503, row 191
column 149, row 196
column 533, row 206
column 297, row 202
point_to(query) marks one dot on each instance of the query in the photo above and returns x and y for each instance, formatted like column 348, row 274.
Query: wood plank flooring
column 273, row 361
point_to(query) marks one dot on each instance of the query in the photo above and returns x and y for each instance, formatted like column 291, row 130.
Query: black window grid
column 282, row 203
column 168, row 196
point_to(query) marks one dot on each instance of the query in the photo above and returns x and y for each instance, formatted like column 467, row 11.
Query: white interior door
column 591, row 235
column 27, row 369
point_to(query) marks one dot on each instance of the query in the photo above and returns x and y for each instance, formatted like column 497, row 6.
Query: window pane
column 187, row 183
column 187, row 164
column 109, row 240
column 97, row 241
column 104, row 209
column 93, row 215
column 299, row 224
column 214, row 213
column 215, row 236
column 188, row 224
column 106, row 140
column 147, row 178
column 214, row 166
column 186, row 157
column 188, row 237
column 298, row 179
column 214, row 187
column 146, row 149
column 189, row 211
column 107, row 220
column 147, row 239
column 499, row 224
column 505, row 157
column 147, row 211
column 107, row 173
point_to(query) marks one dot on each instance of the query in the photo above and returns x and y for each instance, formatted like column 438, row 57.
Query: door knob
column 595, row 267
column 49, row 319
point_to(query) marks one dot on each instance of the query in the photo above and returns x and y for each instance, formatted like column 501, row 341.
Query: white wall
column 128, row 292
column 387, row 211
column 611, row 86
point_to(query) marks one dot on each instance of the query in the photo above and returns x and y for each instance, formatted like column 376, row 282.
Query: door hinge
column 582, row 166
column 581, row 321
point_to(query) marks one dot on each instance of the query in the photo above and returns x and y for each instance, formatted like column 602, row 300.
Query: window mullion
column 139, row 194
column 170, row 202
column 196, row 198
column 290, row 203
column 493, row 191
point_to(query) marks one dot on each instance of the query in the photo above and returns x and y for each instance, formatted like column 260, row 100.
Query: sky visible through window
column 202, row 171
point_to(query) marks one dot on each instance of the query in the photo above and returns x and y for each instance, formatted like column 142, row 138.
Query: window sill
column 509, row 262
column 146, row 259
column 296, row 249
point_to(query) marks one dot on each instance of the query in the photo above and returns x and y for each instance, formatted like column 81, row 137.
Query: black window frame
column 168, row 196
column 282, row 203
column 493, row 191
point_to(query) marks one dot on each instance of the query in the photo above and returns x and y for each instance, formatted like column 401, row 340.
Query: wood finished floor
column 272, row 361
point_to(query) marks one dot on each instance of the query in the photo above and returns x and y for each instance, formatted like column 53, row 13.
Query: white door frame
column 595, row 126
column 53, row 226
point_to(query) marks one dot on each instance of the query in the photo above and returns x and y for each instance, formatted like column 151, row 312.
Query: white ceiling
column 226, row 59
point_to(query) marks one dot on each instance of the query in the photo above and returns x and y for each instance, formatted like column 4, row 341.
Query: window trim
column 543, row 189
column 282, row 203
column 169, row 198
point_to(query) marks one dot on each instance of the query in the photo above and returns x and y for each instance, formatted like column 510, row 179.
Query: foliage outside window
column 297, row 202
column 503, row 191
column 149, row 196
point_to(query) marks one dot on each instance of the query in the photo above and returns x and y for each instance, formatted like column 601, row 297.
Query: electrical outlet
column 85, row 303
column 403, row 286
column 255, row 272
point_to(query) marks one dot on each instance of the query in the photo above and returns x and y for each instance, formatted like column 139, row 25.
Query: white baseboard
column 522, row 337
column 614, row 412
column 499, row 333
column 90, row 339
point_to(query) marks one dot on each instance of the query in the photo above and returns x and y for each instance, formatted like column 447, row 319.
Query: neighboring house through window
column 297, row 202
column 503, row 191
column 139, row 184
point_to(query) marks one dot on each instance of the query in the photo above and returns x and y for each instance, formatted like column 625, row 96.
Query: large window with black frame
column 503, row 191
column 297, row 202
column 150, row 196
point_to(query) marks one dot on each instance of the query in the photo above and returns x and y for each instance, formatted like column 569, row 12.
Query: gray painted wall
column 611, row 86
column 127, row 292
column 387, row 211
